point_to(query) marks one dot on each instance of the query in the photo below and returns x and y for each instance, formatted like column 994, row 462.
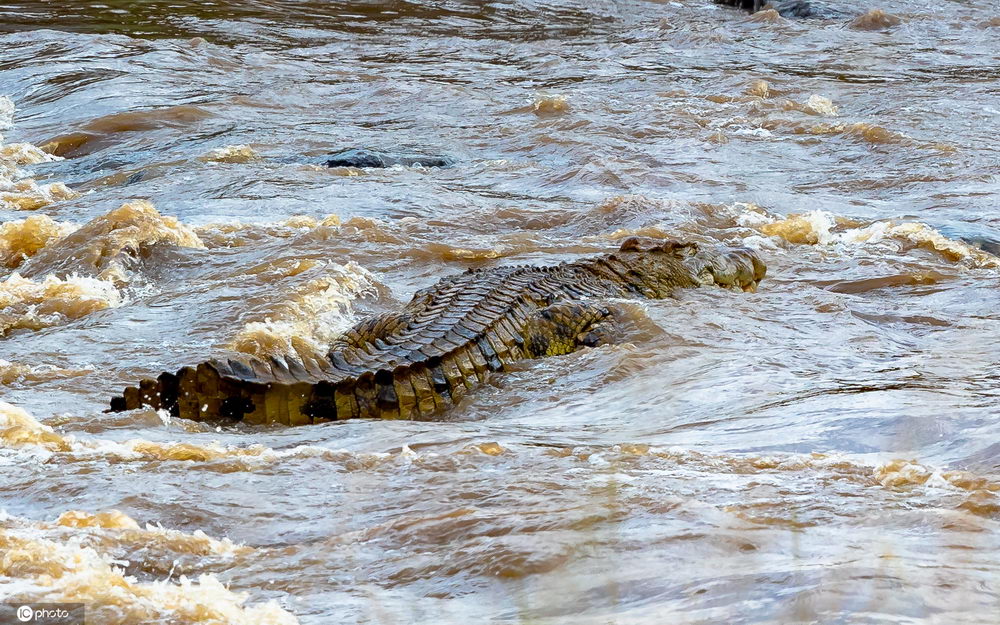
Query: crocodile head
column 736, row 268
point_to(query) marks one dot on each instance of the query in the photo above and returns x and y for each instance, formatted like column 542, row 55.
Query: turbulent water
column 823, row 450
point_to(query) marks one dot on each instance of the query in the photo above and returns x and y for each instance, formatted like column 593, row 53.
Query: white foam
column 6, row 114
column 311, row 317
column 819, row 227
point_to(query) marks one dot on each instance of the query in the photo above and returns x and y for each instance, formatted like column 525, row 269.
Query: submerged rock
column 875, row 19
column 789, row 8
column 362, row 158
column 977, row 237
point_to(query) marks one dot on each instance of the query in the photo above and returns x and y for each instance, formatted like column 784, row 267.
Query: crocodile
column 419, row 361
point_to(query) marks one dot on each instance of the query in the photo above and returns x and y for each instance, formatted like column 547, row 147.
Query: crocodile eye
column 678, row 248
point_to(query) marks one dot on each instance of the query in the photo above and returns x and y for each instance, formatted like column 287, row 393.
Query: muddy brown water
column 824, row 450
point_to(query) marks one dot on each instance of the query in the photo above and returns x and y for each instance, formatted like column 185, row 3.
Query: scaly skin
column 423, row 359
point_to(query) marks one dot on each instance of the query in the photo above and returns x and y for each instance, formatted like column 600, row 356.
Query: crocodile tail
column 287, row 392
column 253, row 390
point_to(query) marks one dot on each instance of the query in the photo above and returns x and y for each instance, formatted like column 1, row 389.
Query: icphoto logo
column 27, row 613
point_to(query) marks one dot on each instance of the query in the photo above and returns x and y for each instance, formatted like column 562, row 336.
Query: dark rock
column 973, row 234
column 362, row 158
column 790, row 8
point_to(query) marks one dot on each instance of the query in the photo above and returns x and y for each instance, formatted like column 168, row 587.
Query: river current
column 825, row 450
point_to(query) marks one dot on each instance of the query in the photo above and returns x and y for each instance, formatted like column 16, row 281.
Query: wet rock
column 362, row 158
column 986, row 244
column 875, row 19
column 980, row 238
column 767, row 16
column 789, row 8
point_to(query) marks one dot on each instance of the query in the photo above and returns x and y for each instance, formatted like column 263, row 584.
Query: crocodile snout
column 731, row 268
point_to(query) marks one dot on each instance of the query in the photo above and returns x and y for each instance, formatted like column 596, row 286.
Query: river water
column 823, row 450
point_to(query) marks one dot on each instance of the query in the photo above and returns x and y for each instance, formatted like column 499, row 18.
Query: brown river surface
column 825, row 450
